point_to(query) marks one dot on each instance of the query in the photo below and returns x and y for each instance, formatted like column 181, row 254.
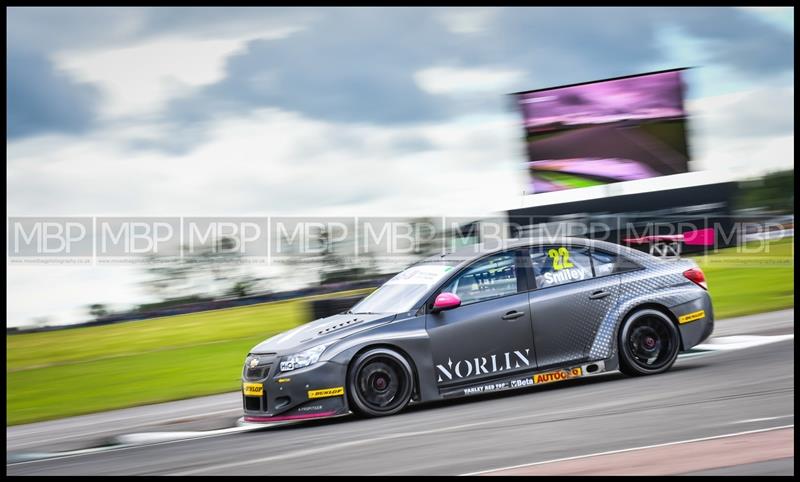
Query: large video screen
column 606, row 131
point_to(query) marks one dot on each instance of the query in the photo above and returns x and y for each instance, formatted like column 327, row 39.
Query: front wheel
column 380, row 382
column 648, row 343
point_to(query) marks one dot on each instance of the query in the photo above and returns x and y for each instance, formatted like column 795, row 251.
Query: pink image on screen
column 617, row 169
column 655, row 96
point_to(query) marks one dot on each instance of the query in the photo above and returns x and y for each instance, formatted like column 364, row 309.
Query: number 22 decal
column 560, row 258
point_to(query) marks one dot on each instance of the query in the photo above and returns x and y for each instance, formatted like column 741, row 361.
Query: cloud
column 69, row 28
column 750, row 114
column 70, row 290
column 138, row 79
column 268, row 161
column 574, row 45
column 782, row 17
column 735, row 38
column 467, row 21
column 361, row 65
column 41, row 99
column 326, row 73
column 449, row 80
column 746, row 133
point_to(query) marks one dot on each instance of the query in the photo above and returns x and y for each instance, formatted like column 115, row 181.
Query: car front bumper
column 315, row 391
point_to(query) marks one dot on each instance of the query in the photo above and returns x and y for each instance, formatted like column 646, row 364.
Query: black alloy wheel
column 649, row 343
column 380, row 382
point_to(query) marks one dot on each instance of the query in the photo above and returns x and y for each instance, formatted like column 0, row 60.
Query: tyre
column 649, row 343
column 380, row 382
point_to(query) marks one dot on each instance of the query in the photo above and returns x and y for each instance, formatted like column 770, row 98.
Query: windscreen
column 404, row 290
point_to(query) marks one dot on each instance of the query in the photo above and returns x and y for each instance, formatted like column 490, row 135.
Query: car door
column 489, row 335
column 568, row 303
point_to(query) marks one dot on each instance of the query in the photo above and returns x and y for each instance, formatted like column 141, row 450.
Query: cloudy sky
column 349, row 111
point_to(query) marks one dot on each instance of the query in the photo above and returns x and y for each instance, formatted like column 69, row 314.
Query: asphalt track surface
column 728, row 413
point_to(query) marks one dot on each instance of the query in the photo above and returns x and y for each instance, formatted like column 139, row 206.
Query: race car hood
column 321, row 331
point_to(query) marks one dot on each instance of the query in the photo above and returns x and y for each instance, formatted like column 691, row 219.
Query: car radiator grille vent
column 339, row 326
column 252, row 404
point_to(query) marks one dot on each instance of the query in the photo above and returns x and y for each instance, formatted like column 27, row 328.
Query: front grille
column 258, row 373
column 261, row 370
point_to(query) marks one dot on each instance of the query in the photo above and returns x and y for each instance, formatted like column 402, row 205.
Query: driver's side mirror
column 446, row 301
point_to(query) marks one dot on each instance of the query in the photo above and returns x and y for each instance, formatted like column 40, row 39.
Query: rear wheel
column 648, row 343
column 380, row 382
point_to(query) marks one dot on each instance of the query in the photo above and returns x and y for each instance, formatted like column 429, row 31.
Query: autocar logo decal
column 587, row 370
column 254, row 363
column 482, row 365
column 558, row 375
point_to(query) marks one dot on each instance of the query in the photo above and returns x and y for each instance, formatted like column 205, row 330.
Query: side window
column 604, row 263
column 488, row 278
column 558, row 265
column 607, row 263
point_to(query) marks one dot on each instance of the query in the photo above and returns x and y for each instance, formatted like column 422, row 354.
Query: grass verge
column 83, row 370
column 750, row 279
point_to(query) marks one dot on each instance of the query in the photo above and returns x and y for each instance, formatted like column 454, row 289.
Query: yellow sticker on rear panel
column 696, row 315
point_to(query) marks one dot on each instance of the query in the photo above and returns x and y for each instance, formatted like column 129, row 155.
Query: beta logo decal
column 557, row 376
column 253, row 389
column 492, row 387
column 695, row 315
column 326, row 392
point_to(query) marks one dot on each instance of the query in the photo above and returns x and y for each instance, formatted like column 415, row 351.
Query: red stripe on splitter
column 289, row 417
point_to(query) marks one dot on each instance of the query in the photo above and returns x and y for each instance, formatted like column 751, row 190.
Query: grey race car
column 476, row 321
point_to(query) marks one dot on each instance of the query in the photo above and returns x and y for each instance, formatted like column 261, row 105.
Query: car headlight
column 302, row 359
